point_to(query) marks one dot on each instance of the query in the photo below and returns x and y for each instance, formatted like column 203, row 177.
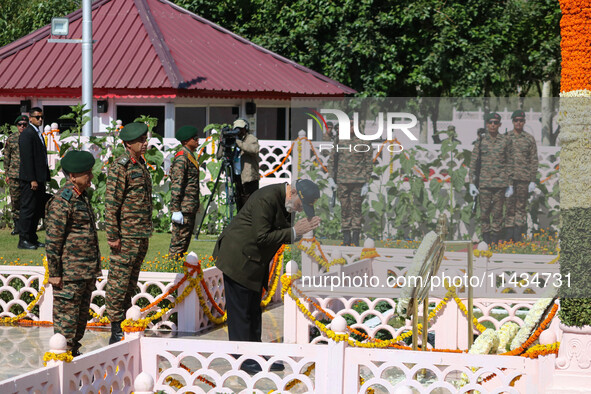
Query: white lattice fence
column 188, row 316
column 387, row 370
column 371, row 311
column 41, row 381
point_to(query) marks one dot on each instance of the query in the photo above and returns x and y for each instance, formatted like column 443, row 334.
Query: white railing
column 188, row 314
column 202, row 366
column 492, row 306
column 41, row 381
column 109, row 369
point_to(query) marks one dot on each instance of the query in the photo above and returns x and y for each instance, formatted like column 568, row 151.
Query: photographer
column 247, row 150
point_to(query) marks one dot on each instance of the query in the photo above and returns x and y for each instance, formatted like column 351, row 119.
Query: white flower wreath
column 506, row 334
column 417, row 267
column 533, row 317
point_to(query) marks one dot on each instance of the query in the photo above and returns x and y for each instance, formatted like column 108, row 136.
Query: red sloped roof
column 155, row 48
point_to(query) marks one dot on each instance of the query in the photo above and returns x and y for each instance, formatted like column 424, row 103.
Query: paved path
column 22, row 348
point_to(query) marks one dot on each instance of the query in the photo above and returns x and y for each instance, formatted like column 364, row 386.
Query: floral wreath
column 421, row 263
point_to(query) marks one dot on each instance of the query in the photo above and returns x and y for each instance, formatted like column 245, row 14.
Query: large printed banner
column 410, row 172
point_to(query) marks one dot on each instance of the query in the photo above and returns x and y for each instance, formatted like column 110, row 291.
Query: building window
column 191, row 116
column 271, row 123
column 129, row 113
column 8, row 113
column 52, row 114
column 221, row 115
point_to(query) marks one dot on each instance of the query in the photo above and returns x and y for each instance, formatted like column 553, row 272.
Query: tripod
column 228, row 169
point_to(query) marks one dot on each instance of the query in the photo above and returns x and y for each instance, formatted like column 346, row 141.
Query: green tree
column 21, row 17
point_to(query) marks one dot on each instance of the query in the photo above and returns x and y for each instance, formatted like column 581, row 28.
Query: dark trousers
column 32, row 209
column 244, row 192
column 245, row 316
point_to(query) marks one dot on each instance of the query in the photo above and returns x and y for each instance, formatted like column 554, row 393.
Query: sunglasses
column 518, row 120
column 493, row 122
column 38, row 117
column 21, row 123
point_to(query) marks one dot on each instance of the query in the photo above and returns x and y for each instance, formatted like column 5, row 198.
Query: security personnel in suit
column 245, row 248
column 73, row 254
column 33, row 175
column 128, row 223
column 184, row 187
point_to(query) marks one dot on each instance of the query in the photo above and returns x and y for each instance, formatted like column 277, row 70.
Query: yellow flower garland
column 542, row 350
column 129, row 325
column 273, row 289
column 464, row 310
column 99, row 318
column 206, row 309
column 369, row 253
column 299, row 155
column 319, row 259
column 482, row 253
column 289, row 285
column 29, row 308
column 65, row 357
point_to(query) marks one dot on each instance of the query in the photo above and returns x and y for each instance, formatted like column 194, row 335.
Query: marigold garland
column 321, row 260
column 535, row 335
column 542, row 350
column 276, row 271
column 65, row 357
column 374, row 343
column 482, row 253
column 32, row 304
column 369, row 253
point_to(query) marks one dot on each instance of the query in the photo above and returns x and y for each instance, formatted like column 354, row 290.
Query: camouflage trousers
column 350, row 198
column 14, row 187
column 515, row 212
column 124, row 272
column 70, row 310
column 181, row 235
column 491, row 203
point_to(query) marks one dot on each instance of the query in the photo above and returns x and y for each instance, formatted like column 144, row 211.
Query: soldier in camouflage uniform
column 184, row 201
column 12, row 163
column 73, row 254
column 492, row 168
column 524, row 180
column 353, row 172
column 128, row 222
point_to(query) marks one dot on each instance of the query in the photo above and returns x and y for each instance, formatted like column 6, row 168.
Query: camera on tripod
column 228, row 140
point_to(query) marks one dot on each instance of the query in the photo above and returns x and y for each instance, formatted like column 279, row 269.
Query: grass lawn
column 155, row 259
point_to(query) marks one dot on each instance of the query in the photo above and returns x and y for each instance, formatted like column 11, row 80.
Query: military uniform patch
column 124, row 160
column 66, row 194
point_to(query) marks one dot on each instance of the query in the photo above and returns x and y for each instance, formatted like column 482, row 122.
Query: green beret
column 518, row 114
column 132, row 131
column 492, row 115
column 186, row 132
column 21, row 117
column 76, row 161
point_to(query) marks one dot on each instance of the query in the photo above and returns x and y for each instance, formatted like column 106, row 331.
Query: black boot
column 510, row 234
column 518, row 233
column 116, row 332
column 495, row 237
column 76, row 350
column 486, row 238
column 346, row 237
column 355, row 237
